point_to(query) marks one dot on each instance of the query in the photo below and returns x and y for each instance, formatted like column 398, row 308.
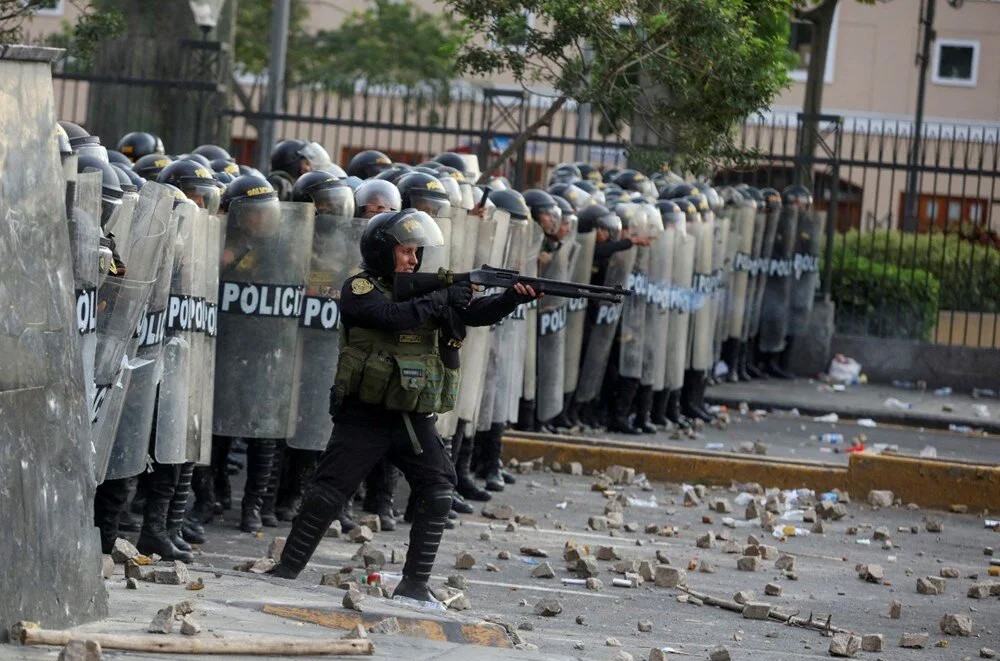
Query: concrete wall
column 49, row 547
column 884, row 360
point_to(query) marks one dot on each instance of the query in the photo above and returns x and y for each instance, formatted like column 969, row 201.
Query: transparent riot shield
column 262, row 276
column 741, row 250
column 197, row 339
column 682, row 301
column 336, row 256
column 767, row 221
column 775, row 306
column 808, row 246
column 131, row 446
column 213, row 252
column 174, row 400
column 702, row 326
column 721, row 270
column 603, row 317
column 551, row 333
column 530, row 388
column 120, row 224
column 85, row 237
column 632, row 329
column 576, row 310
column 510, row 336
column 655, row 339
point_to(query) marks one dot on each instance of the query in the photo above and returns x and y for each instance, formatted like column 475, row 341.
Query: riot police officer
column 288, row 163
column 368, row 163
column 380, row 400
column 137, row 144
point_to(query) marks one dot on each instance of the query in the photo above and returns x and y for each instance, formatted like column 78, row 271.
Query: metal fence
column 937, row 280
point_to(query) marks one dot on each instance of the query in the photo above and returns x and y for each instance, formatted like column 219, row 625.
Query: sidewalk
column 814, row 398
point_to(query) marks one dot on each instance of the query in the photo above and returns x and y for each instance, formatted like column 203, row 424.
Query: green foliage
column 98, row 21
column 690, row 70
column 13, row 13
column 969, row 272
column 253, row 25
column 387, row 43
column 878, row 299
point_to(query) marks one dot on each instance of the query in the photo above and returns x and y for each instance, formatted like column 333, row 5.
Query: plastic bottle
column 832, row 438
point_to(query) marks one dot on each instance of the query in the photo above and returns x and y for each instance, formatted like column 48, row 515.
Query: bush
column 882, row 300
column 968, row 272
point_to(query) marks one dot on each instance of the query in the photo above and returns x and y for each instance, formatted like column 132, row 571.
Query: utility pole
column 275, row 81
column 923, row 59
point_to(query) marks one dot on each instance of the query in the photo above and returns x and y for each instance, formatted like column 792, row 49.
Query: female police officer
column 390, row 382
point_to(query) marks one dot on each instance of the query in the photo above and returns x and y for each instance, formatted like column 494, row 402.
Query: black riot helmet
column 76, row 133
column 564, row 173
column 115, row 157
column 670, row 212
column 222, row 165
column 394, row 172
column 451, row 159
column 566, row 210
column 424, row 192
column 589, row 187
column 572, row 193
column 136, row 180
column 325, row 191
column 287, row 156
column 213, row 153
column 247, row 188
column 772, row 199
column 730, row 196
column 541, row 203
column 111, row 190
column 387, row 230
column 83, row 143
column 711, row 196
column 223, row 178
column 588, row 171
column 798, row 196
column 750, row 193
column 197, row 158
column 137, row 144
column 510, row 201
column 194, row 180
column 637, row 182
column 352, row 182
column 598, row 216
column 610, row 174
column 126, row 183
column 62, row 140
column 679, row 190
column 368, row 163
column 246, row 169
column 376, row 196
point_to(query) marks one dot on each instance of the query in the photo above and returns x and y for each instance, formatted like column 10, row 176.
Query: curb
column 882, row 416
column 927, row 482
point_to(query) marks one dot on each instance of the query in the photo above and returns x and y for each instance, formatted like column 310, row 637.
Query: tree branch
column 521, row 139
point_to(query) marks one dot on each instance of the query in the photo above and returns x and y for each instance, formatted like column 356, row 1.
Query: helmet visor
column 335, row 201
column 316, row 155
column 205, row 194
column 256, row 218
column 416, row 228
column 430, row 203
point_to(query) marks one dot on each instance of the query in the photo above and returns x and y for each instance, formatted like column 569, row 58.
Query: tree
column 690, row 70
column 83, row 35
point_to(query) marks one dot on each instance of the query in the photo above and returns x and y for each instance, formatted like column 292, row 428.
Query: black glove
column 512, row 299
column 460, row 295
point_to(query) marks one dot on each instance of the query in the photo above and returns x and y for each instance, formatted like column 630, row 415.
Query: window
column 800, row 42
column 942, row 211
column 54, row 8
column 956, row 62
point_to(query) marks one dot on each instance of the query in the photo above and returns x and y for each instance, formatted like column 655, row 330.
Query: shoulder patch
column 361, row 286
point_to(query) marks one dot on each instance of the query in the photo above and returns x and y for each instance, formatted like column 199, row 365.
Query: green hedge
column 882, row 300
column 968, row 272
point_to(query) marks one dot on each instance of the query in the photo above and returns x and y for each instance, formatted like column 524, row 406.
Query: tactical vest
column 400, row 370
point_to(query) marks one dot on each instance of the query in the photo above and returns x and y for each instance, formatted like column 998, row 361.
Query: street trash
column 562, row 505
column 894, row 403
column 743, row 498
column 839, row 387
column 867, row 422
column 792, row 412
column 904, row 385
column 715, row 446
column 832, row 438
column 984, row 392
column 721, row 369
column 943, row 392
column 990, row 523
column 855, row 448
column 829, row 497
column 981, row 410
column 793, row 515
column 962, row 429
column 929, row 452
column 863, row 542
column 640, row 502
column 783, row 532
column 829, row 417
column 844, row 370
column 574, row 581
column 435, row 605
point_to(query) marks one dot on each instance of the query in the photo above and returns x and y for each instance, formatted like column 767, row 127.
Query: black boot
column 130, row 519
column 425, row 537
column 386, row 491
column 674, row 414
column 699, row 399
column 154, row 538
column 731, row 356
column 203, row 486
column 772, row 365
column 109, row 503
column 300, row 465
column 459, row 506
column 587, row 415
column 492, row 446
column 754, row 360
column 345, row 517
column 741, row 362
column 319, row 508
column 526, row 415
column 689, row 395
column 658, row 414
column 220, row 473
column 178, row 507
column 564, row 421
column 643, row 410
column 462, row 452
column 624, row 395
column 260, row 458
column 267, row 515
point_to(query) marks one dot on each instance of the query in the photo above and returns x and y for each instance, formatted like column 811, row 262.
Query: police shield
column 576, row 309
column 214, row 241
column 551, row 350
column 196, row 376
column 174, row 400
column 530, row 392
column 767, row 227
column 510, row 335
column 805, row 264
column 336, row 256
column 632, row 330
column 775, row 306
column 262, row 277
column 702, row 323
column 682, row 302
column 721, row 272
column 131, row 446
column 741, row 244
column 85, row 236
column 654, row 357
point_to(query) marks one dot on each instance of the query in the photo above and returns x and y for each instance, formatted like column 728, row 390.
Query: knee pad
column 436, row 503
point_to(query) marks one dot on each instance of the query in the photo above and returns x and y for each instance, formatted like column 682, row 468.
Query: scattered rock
column 334, row 530
column 534, row 552
column 706, row 567
column 785, row 563
column 646, row 571
column 621, row 474
column 933, row 524
column 574, row 468
column 744, row 596
column 189, row 627
column 718, row 654
column 526, row 626
column 872, row 642
column 465, row 560
column 625, row 567
column 845, row 644
column 661, row 557
column 666, row 576
column 872, row 573
column 511, row 527
column 163, row 621
column 880, row 498
column 176, row 574
column 987, row 653
column 949, row 572
column 131, row 584
column 880, row 534
column 979, row 591
column 722, row 506
column 732, row 546
column 612, row 642
column 756, row 610
column 503, row 555
column 389, row 626
column 548, row 607
column 749, row 563
column 896, row 610
column 457, row 581
column 357, row 633
column 586, row 567
column 622, row 655
column 543, row 570
column 499, row 512
column 491, row 567
column 594, row 584
column 81, row 650
column 772, row 590
column 927, row 586
column 258, row 566
column 706, row 541
column 752, row 510
column 581, row 620
column 645, row 626
column 607, row 553
column 352, row 600
column 914, row 640
column 598, row 523
column 361, row 534
column 123, row 551
column 139, row 572
column 956, row 625
column 485, row 536
column 818, row 528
